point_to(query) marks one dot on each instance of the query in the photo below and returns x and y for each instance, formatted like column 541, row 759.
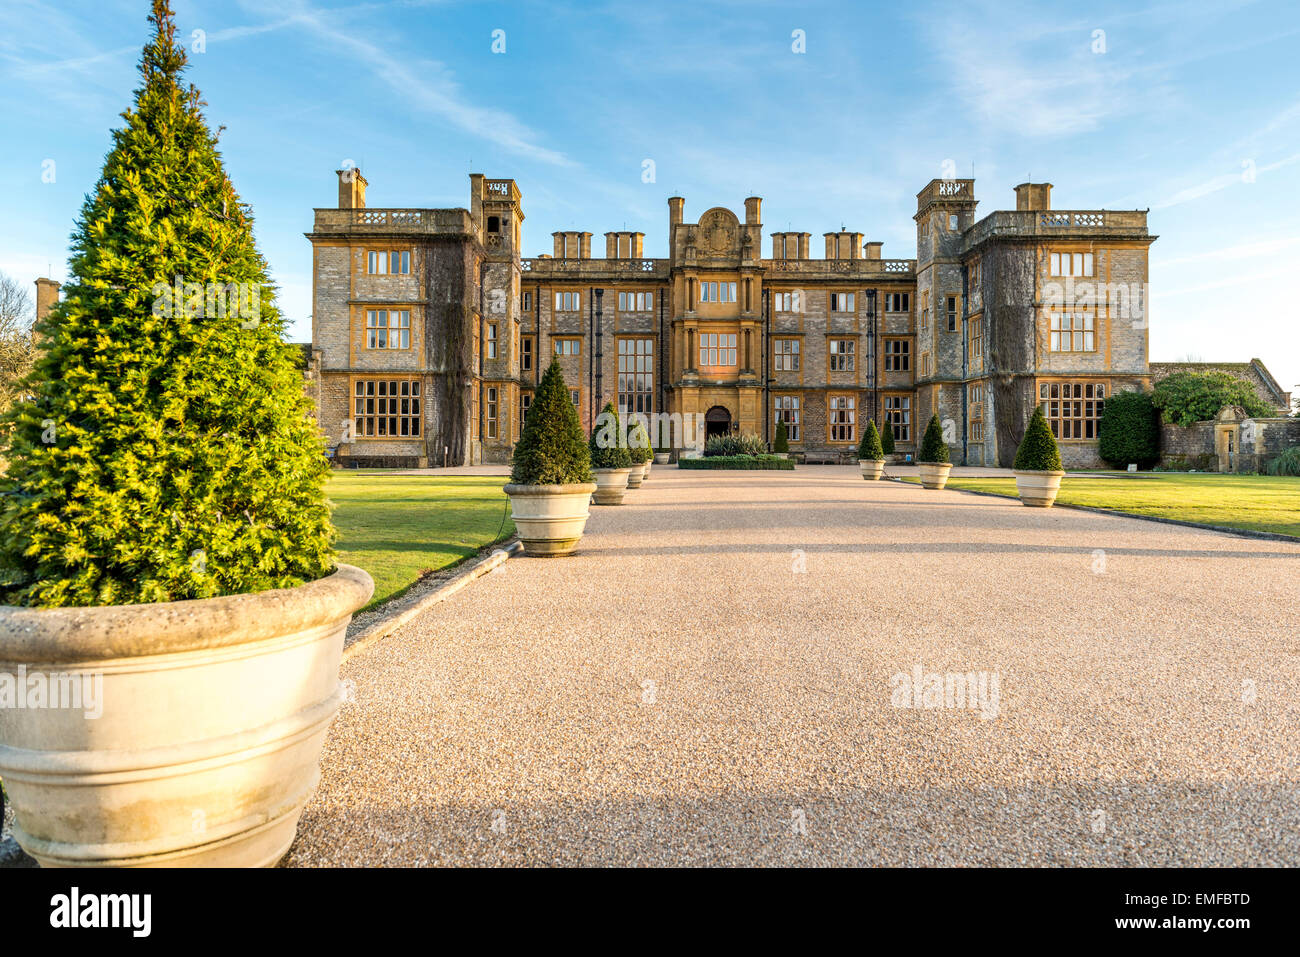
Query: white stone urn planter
column 636, row 475
column 871, row 468
column 611, row 484
column 934, row 474
column 661, row 458
column 211, row 718
column 1038, row 489
column 550, row 518
column 645, row 469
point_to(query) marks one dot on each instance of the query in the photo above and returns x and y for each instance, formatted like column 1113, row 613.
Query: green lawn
column 1258, row 502
column 397, row 527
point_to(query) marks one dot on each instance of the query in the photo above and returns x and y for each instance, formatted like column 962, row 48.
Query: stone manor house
column 430, row 330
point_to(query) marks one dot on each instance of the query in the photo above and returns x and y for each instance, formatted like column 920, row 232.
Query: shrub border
column 754, row 463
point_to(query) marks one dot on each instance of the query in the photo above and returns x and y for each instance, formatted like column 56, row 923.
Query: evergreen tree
column 638, row 441
column 887, row 439
column 782, row 444
column 608, row 444
column 933, row 447
column 1129, row 430
column 869, row 447
column 551, row 449
column 1038, row 450
column 167, row 451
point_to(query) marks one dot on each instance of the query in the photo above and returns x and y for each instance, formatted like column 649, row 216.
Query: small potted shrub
column 1038, row 463
column 871, row 457
column 611, row 459
column 638, row 443
column 887, row 440
column 781, row 447
column 166, row 545
column 933, row 459
column 550, row 479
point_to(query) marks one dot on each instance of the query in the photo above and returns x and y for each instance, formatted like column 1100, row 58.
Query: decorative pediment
column 719, row 234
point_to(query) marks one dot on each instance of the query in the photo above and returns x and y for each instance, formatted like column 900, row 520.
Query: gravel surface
column 709, row 681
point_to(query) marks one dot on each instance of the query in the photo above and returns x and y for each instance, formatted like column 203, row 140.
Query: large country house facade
column 430, row 331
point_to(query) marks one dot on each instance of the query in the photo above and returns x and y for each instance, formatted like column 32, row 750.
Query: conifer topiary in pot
column 871, row 457
column 638, row 443
column 610, row 458
column 933, row 460
column 1038, row 463
column 173, row 616
column 781, row 447
column 550, row 478
column 887, row 440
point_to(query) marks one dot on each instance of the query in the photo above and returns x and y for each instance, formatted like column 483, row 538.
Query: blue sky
column 1193, row 110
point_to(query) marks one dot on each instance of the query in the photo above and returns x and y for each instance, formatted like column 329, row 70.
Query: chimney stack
column 753, row 211
column 47, row 294
column 676, row 205
column 352, row 189
column 1033, row 197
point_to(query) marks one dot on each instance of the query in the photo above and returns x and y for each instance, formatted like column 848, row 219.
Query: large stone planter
column 550, row 518
column 871, row 468
column 611, row 484
column 636, row 475
column 645, row 469
column 661, row 458
column 1038, row 489
column 934, row 474
column 212, row 714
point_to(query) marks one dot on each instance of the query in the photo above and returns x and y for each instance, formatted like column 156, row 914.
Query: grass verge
column 402, row 527
column 1255, row 502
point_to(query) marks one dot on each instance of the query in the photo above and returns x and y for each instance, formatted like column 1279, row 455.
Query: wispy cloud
column 1246, row 176
column 427, row 84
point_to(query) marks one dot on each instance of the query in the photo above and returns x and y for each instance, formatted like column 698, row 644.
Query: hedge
column 752, row 462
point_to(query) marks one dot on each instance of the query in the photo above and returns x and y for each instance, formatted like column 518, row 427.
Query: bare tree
column 17, row 345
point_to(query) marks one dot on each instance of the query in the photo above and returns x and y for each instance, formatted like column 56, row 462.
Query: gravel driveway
column 719, row 677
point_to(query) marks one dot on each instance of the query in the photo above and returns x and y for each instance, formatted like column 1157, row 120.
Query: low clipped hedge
column 754, row 462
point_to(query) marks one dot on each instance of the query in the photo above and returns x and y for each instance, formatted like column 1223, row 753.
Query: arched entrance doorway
column 717, row 421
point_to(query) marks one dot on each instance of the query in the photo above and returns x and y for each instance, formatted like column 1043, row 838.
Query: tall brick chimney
column 47, row 294
column 753, row 211
column 352, row 189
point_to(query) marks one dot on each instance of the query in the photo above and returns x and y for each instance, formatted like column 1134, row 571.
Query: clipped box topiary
column 638, row 443
column 611, row 459
column 550, row 479
column 871, row 457
column 1038, row 463
column 166, row 549
column 887, row 440
column 781, row 447
column 934, row 461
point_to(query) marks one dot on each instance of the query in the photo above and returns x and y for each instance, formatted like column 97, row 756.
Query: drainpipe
column 767, row 330
column 599, row 357
column 482, row 333
column 965, row 352
column 661, row 349
column 875, row 356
